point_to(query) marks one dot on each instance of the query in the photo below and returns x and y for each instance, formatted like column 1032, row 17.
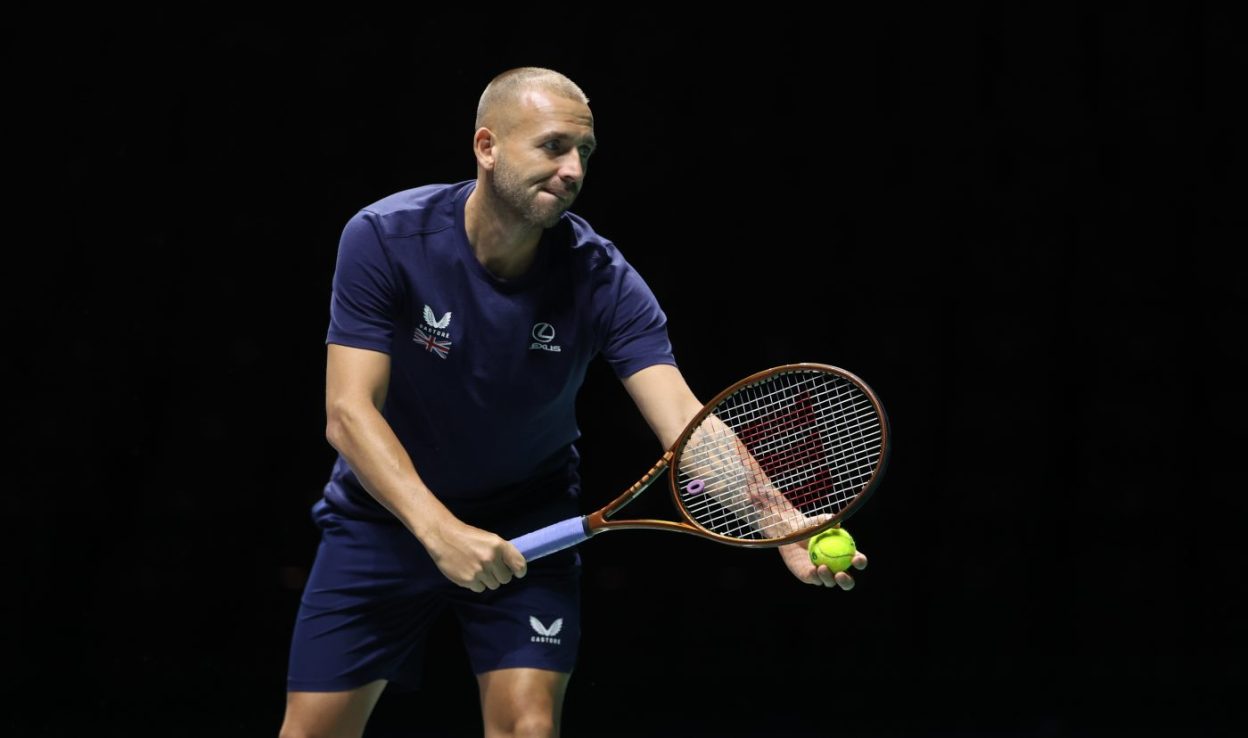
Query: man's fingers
column 490, row 576
column 515, row 561
column 481, row 560
column 859, row 561
column 828, row 578
column 502, row 571
column 508, row 563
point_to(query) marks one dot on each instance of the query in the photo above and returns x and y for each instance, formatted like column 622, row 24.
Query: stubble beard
column 515, row 193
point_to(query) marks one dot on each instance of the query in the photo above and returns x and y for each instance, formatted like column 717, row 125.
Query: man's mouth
column 561, row 194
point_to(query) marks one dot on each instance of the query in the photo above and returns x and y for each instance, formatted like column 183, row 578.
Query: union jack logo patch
column 439, row 346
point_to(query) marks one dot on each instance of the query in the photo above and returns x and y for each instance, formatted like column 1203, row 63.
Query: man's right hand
column 473, row 558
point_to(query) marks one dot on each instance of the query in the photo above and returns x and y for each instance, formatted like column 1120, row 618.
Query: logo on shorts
column 543, row 334
column 544, row 634
column 434, row 336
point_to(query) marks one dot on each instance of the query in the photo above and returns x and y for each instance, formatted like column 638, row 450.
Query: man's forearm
column 736, row 481
column 366, row 441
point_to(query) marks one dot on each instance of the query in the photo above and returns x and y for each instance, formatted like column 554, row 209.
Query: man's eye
column 551, row 145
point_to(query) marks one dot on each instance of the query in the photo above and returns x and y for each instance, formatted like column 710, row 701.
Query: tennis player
column 462, row 321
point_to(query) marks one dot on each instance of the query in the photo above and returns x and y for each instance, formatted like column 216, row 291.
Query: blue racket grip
column 552, row 538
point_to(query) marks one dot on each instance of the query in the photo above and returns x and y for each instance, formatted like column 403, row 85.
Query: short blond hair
column 505, row 89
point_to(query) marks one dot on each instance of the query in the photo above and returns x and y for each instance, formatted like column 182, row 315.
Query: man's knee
column 535, row 723
column 522, row 702
column 296, row 730
column 330, row 714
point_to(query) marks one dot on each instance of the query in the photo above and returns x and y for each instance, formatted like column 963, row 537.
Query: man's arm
column 666, row 402
column 664, row 399
column 355, row 391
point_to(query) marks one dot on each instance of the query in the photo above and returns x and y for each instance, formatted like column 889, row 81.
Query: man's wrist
column 425, row 517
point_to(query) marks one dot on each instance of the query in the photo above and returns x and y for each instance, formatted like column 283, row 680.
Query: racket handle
column 552, row 538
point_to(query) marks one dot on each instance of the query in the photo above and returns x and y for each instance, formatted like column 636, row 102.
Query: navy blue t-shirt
column 484, row 372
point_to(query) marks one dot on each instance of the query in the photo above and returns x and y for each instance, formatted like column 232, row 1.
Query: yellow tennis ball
column 834, row 548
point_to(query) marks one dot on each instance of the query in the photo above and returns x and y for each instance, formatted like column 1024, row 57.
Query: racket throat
column 631, row 493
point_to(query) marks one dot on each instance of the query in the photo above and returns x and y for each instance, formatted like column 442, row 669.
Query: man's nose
column 572, row 168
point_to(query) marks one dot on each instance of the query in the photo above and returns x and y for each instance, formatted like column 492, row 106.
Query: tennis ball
column 833, row 548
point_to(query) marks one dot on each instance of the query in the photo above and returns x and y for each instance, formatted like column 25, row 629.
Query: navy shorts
column 373, row 593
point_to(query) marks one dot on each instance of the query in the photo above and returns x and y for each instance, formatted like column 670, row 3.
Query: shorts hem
column 523, row 663
column 342, row 684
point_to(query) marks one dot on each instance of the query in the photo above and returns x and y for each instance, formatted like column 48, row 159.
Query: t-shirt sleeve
column 362, row 306
column 636, row 330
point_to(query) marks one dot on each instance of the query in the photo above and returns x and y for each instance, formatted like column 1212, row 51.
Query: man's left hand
column 797, row 558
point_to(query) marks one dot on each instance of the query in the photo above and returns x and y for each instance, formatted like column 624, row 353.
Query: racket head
column 817, row 439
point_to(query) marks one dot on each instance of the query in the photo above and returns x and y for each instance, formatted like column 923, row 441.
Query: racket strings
column 803, row 451
column 808, row 464
column 780, row 456
column 794, row 444
column 742, row 516
column 727, row 511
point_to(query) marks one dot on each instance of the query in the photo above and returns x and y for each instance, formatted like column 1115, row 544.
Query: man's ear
column 483, row 143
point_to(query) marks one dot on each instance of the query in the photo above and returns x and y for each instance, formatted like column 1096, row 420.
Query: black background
column 1019, row 226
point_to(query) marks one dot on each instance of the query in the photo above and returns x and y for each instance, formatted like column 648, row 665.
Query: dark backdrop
column 1019, row 226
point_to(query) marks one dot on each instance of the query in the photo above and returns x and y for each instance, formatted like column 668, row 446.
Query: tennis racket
column 775, row 458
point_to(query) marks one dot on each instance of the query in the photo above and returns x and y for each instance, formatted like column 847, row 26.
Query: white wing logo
column 434, row 322
column 550, row 632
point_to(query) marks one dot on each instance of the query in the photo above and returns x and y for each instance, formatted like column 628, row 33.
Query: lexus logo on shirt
column 543, row 334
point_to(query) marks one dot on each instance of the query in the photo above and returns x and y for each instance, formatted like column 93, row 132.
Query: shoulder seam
column 381, row 239
column 406, row 234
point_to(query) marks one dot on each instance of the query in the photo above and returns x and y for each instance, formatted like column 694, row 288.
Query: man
column 462, row 322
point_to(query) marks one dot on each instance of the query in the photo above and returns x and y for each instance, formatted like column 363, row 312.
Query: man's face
column 542, row 155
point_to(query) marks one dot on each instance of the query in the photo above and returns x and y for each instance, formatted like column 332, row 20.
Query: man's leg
column 363, row 618
column 330, row 714
column 522, row 703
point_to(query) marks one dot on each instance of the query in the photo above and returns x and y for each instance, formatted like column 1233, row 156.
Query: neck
column 502, row 241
